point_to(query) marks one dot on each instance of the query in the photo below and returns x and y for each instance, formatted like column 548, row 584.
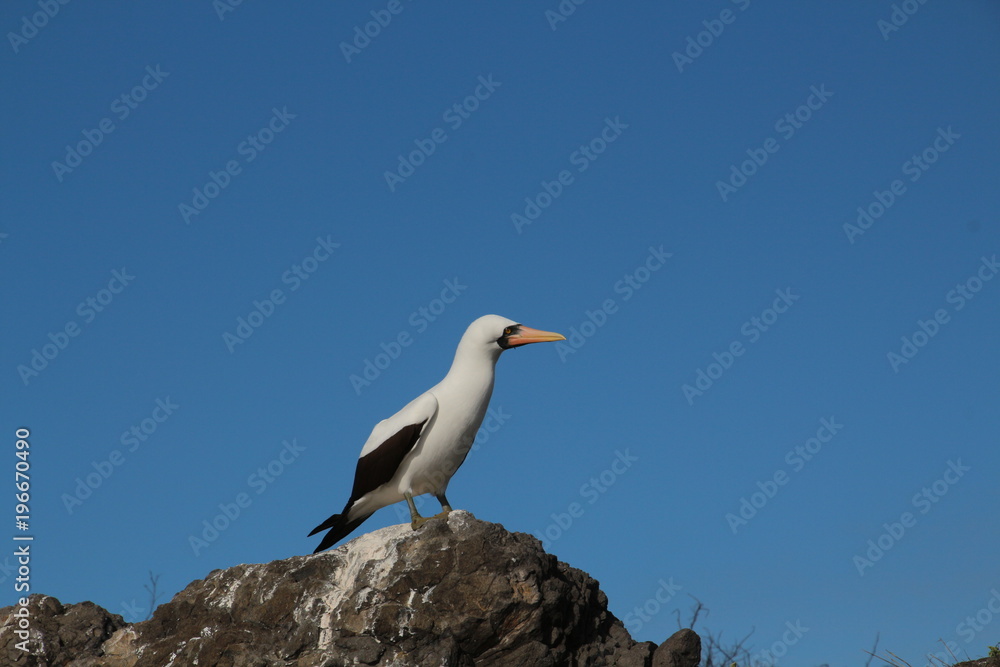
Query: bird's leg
column 445, row 507
column 415, row 519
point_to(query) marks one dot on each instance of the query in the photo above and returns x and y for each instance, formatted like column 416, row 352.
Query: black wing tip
column 329, row 523
column 326, row 543
column 339, row 527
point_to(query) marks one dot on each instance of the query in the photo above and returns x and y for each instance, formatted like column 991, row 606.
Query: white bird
column 419, row 448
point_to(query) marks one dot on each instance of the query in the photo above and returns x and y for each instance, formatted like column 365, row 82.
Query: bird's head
column 500, row 333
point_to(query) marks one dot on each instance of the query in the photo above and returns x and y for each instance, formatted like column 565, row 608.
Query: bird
column 418, row 449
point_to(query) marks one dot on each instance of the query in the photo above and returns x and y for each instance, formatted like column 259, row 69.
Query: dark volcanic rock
column 457, row 592
column 993, row 661
column 58, row 634
column 682, row 649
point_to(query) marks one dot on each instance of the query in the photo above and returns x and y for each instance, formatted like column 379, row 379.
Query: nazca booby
column 419, row 448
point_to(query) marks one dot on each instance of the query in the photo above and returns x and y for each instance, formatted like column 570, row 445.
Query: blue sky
column 769, row 232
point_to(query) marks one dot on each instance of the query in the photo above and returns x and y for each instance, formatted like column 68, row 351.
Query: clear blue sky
column 166, row 171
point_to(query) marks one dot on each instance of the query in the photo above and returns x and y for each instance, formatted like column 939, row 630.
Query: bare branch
column 153, row 596
column 945, row 644
column 871, row 653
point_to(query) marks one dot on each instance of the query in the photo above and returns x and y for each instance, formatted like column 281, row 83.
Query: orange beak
column 525, row 335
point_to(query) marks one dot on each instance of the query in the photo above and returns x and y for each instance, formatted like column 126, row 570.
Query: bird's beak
column 525, row 335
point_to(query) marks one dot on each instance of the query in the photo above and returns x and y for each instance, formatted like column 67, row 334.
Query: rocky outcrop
column 991, row 661
column 457, row 592
column 55, row 633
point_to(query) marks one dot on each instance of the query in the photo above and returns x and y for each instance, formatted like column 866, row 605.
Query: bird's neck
column 466, row 390
column 472, row 369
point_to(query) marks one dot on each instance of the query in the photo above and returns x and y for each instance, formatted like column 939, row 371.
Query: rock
column 683, row 648
column 991, row 661
column 457, row 592
column 58, row 634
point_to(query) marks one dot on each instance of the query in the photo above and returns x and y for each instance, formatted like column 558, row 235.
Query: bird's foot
column 418, row 521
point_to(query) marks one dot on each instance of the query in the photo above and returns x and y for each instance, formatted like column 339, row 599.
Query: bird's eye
column 508, row 331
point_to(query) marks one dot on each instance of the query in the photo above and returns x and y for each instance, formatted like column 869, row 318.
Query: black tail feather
column 339, row 527
column 329, row 523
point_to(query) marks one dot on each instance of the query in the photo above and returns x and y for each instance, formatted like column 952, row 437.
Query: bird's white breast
column 443, row 447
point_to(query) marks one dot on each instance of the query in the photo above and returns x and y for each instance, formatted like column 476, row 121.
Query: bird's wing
column 389, row 443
